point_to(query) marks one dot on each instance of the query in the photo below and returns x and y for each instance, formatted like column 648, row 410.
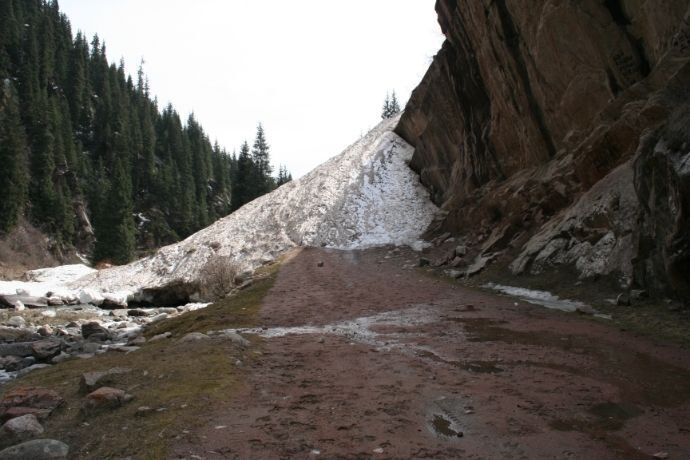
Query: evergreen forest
column 88, row 156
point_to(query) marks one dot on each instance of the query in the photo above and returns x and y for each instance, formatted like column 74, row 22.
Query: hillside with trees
column 90, row 158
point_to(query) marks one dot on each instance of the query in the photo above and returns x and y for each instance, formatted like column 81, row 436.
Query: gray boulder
column 38, row 449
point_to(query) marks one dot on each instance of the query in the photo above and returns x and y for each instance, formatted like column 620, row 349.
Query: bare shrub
column 217, row 278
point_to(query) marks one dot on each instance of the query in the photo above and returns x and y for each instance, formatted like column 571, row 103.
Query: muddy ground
column 364, row 357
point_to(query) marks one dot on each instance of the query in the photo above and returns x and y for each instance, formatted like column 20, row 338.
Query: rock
column 638, row 294
column 319, row 263
column 479, row 264
column 55, row 301
column 143, row 411
column 105, row 398
column 119, row 313
column 159, row 317
column 19, row 305
column 137, row 312
column 10, row 363
column 16, row 349
column 138, row 340
column 424, row 262
column 16, row 321
column 89, row 329
column 623, row 299
column 456, row 262
column 91, row 381
column 14, row 334
column 29, row 400
column 45, row 331
column 22, row 428
column 455, row 273
column 660, row 455
column 37, row 449
column 90, row 347
column 62, row 357
column 460, row 250
column 49, row 313
column 156, row 338
column 194, row 336
column 46, row 349
column 441, row 239
column 562, row 116
column 235, row 338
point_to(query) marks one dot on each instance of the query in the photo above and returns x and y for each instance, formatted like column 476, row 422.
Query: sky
column 315, row 73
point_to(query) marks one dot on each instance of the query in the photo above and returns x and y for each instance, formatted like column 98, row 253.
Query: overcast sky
column 314, row 72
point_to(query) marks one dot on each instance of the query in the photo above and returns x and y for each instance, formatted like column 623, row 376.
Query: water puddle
column 442, row 426
column 385, row 330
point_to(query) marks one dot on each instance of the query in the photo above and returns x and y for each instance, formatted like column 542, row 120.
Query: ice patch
column 543, row 298
column 59, row 275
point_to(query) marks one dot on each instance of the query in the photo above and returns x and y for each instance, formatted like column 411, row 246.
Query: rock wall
column 560, row 130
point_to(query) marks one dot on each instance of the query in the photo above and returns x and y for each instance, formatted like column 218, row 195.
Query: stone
column 136, row 341
column 46, row 349
column 10, row 363
column 91, row 381
column 16, row 321
column 194, row 337
column 45, row 331
column 638, row 294
column 89, row 329
column 456, row 262
column 61, row 358
column 163, row 336
column 585, row 310
column 245, row 285
column 16, row 349
column 22, row 428
column 137, row 312
column 319, row 263
column 49, row 313
column 460, row 250
column 105, row 398
column 26, row 400
column 235, row 338
column 37, row 449
column 19, row 305
column 623, row 299
column 90, row 347
column 159, row 317
column 143, row 411
column 424, row 262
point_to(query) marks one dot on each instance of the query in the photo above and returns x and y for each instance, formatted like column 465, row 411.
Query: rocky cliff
column 556, row 136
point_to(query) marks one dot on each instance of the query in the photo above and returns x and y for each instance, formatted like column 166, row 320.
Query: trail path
column 364, row 359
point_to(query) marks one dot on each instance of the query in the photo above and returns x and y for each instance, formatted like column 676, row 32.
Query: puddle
column 385, row 330
column 543, row 298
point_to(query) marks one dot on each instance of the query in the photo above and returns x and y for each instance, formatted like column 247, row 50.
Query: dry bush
column 217, row 278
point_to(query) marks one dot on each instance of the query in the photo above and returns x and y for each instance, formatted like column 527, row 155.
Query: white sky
column 314, row 72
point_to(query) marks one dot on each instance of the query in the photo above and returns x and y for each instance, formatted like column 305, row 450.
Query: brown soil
column 460, row 374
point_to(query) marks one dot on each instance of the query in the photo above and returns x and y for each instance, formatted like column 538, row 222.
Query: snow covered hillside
column 366, row 196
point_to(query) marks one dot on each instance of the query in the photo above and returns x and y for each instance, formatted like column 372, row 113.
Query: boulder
column 10, row 363
column 38, row 449
column 16, row 321
column 46, row 349
column 105, row 398
column 89, row 329
column 29, row 400
column 21, row 428
column 91, row 381
column 16, row 349
column 156, row 338
column 235, row 338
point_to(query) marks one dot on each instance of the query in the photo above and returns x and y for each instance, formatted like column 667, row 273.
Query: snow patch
column 366, row 196
column 543, row 298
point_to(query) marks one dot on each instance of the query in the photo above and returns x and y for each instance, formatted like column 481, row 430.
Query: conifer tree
column 13, row 158
column 261, row 180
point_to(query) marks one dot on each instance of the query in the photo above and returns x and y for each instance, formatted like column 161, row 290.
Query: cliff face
column 557, row 133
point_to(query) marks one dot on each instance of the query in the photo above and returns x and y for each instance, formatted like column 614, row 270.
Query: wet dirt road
column 361, row 358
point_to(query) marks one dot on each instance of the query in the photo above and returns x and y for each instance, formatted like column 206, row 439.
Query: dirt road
column 362, row 358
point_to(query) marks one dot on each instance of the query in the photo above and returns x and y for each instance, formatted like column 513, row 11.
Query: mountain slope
column 366, row 196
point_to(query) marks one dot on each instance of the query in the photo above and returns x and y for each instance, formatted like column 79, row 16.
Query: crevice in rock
column 512, row 37
column 617, row 12
column 613, row 83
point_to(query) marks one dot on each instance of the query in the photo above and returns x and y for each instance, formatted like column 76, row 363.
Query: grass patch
column 179, row 381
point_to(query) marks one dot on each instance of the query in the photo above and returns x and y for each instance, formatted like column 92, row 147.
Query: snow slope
column 366, row 196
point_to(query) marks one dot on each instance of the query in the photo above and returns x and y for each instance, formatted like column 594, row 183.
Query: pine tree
column 262, row 180
column 241, row 188
column 391, row 106
column 283, row 176
column 13, row 158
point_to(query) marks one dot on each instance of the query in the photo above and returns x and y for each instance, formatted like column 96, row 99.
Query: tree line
column 87, row 155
